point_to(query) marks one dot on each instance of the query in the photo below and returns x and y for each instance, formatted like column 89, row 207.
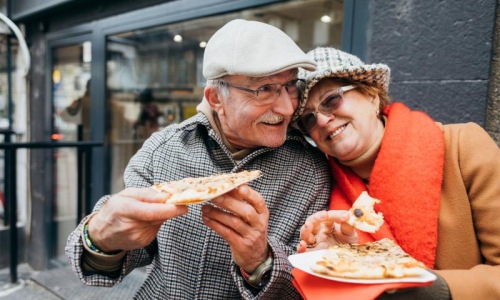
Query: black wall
column 439, row 53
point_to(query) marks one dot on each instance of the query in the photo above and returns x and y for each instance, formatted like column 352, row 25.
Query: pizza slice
column 363, row 216
column 373, row 260
column 200, row 189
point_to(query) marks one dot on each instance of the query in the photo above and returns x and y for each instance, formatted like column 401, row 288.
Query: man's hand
column 243, row 225
column 131, row 219
column 324, row 229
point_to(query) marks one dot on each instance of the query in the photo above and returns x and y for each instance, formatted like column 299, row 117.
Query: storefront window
column 155, row 74
column 71, row 122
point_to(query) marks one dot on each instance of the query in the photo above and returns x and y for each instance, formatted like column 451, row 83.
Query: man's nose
column 285, row 104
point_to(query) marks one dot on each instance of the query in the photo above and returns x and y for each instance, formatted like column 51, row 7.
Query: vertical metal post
column 88, row 182
column 12, row 200
column 7, row 137
column 84, row 186
column 10, row 108
column 79, row 185
column 6, row 181
column 10, row 180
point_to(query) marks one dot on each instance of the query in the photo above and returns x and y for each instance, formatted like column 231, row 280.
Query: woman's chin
column 340, row 152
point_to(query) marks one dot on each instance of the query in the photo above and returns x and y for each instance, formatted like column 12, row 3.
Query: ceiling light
column 56, row 76
column 178, row 38
column 326, row 19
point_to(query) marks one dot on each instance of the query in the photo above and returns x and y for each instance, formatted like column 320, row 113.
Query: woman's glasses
column 327, row 107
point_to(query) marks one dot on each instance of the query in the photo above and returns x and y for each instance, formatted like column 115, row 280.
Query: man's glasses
column 327, row 107
column 267, row 93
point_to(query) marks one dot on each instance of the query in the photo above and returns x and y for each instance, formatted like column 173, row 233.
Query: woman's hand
column 325, row 229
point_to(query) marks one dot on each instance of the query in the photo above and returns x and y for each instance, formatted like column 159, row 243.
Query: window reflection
column 154, row 75
column 150, row 116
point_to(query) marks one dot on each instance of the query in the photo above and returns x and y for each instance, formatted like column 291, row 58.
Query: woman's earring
column 377, row 112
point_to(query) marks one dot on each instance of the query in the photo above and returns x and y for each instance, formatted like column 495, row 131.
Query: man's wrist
column 261, row 275
column 90, row 244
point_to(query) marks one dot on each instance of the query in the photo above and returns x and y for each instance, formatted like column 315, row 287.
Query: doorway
column 70, row 99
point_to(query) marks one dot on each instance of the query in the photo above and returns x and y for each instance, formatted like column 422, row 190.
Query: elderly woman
column 438, row 184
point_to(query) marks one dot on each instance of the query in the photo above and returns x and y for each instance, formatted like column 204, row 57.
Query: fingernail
column 243, row 189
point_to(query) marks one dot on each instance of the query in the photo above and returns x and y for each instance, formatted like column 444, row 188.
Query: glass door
column 70, row 122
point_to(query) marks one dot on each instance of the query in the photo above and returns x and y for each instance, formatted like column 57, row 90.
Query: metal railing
column 84, row 164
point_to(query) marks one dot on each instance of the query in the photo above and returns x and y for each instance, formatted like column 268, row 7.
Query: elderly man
column 236, row 246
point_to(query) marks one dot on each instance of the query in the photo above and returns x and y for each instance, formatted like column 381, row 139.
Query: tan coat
column 468, row 252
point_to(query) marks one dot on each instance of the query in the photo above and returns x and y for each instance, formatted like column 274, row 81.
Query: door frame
column 72, row 37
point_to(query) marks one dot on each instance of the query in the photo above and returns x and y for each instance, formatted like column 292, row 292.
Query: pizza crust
column 363, row 215
column 375, row 260
column 200, row 189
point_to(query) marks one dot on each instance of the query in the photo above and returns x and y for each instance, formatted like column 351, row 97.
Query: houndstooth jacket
column 190, row 261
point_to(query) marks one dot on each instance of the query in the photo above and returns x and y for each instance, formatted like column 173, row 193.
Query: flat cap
column 254, row 49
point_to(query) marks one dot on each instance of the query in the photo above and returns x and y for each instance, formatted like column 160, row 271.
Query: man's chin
column 274, row 143
column 273, row 136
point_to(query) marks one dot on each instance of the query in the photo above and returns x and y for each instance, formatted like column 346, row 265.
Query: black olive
column 358, row 213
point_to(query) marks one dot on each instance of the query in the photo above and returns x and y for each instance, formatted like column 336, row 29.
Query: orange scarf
column 406, row 177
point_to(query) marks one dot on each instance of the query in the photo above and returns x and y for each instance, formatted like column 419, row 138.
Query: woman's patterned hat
column 333, row 63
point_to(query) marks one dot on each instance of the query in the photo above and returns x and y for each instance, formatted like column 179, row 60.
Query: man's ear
column 213, row 98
